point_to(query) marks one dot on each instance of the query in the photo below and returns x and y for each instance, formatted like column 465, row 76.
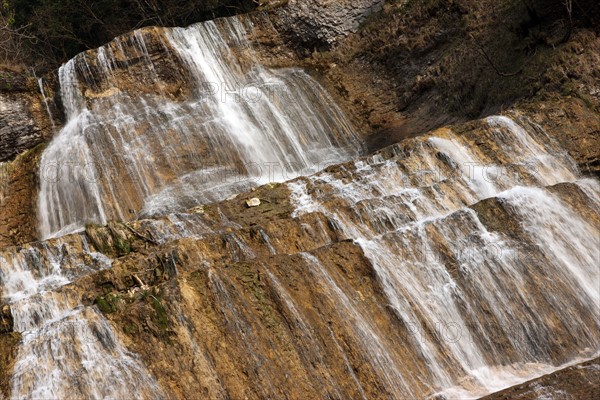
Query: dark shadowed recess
column 59, row 29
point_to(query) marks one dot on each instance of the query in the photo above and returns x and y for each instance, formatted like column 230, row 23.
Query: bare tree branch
column 489, row 60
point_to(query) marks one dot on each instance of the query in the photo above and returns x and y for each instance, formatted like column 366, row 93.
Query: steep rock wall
column 24, row 120
column 25, row 126
column 19, row 181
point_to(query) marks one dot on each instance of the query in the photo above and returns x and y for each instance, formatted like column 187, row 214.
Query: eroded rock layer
column 451, row 265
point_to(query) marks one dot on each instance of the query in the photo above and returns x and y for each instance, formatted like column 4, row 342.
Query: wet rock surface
column 580, row 381
column 345, row 284
column 219, row 300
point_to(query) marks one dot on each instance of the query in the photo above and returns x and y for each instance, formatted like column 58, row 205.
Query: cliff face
column 25, row 126
column 24, row 120
column 443, row 260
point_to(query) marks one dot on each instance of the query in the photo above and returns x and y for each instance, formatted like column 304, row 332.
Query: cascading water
column 485, row 309
column 478, row 252
column 68, row 351
column 124, row 152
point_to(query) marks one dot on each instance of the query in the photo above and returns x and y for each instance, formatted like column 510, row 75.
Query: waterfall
column 126, row 152
column 485, row 308
column 68, row 351
column 480, row 249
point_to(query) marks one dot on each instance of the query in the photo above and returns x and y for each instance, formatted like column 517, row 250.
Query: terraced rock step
column 579, row 381
column 430, row 268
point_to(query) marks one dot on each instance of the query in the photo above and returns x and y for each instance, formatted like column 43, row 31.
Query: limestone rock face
column 25, row 124
column 318, row 23
column 19, row 182
column 301, row 296
column 24, row 113
column 22, row 124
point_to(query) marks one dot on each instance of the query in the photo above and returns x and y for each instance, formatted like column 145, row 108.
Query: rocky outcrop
column 24, row 122
column 19, row 181
column 221, row 299
column 320, row 24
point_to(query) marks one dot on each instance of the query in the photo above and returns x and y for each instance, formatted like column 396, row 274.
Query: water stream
column 488, row 309
column 479, row 243
column 125, row 153
column 68, row 351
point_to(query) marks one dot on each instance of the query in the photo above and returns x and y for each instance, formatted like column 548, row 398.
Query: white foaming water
column 470, row 169
column 548, row 164
column 124, row 152
column 67, row 351
column 486, row 309
column 557, row 230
